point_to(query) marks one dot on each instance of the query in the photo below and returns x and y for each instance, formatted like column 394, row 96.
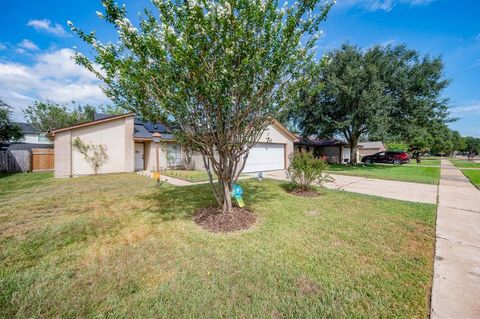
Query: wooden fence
column 15, row 161
column 42, row 159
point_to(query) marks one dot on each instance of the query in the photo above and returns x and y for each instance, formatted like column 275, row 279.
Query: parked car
column 396, row 158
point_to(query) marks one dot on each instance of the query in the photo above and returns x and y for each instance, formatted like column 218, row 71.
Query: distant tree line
column 47, row 115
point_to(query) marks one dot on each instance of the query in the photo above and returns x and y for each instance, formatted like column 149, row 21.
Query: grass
column 115, row 246
column 424, row 161
column 417, row 174
column 464, row 163
column 187, row 175
column 473, row 176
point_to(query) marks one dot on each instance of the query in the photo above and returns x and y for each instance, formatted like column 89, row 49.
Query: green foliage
column 396, row 146
column 9, row 131
column 386, row 93
column 216, row 69
column 472, row 145
column 305, row 169
column 112, row 109
column 46, row 116
column 95, row 155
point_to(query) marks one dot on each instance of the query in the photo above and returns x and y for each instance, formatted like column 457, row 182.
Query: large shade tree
column 383, row 92
column 214, row 68
column 9, row 131
column 47, row 115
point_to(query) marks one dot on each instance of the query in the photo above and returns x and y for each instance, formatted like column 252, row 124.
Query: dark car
column 396, row 158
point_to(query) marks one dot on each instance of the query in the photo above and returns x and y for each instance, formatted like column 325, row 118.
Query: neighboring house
column 32, row 135
column 334, row 150
column 369, row 148
column 130, row 147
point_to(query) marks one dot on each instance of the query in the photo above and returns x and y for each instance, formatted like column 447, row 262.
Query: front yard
column 424, row 162
column 473, row 176
column 460, row 163
column 405, row 173
column 116, row 246
column 187, row 175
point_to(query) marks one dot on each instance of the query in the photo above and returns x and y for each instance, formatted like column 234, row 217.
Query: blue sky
column 36, row 45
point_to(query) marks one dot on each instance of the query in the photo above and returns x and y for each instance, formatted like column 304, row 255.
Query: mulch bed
column 214, row 220
column 304, row 193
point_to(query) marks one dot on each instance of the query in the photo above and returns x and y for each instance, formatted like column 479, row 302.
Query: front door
column 139, row 157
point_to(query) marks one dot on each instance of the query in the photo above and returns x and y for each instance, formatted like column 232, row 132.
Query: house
column 334, row 150
column 369, row 148
column 337, row 151
column 129, row 145
column 32, row 135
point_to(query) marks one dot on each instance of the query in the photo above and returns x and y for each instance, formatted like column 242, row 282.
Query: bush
column 396, row 147
column 305, row 169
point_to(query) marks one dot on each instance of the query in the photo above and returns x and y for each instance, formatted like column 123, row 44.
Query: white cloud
column 475, row 64
column 47, row 26
column 53, row 76
column 385, row 5
column 28, row 45
column 466, row 108
column 2, row 46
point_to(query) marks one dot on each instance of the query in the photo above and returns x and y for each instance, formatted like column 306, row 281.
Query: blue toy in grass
column 237, row 192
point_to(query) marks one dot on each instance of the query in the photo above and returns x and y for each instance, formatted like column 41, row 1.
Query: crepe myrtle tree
column 213, row 68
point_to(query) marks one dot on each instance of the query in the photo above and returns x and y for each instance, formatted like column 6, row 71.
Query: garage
column 265, row 157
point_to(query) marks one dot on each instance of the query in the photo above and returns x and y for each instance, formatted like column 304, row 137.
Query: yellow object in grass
column 240, row 201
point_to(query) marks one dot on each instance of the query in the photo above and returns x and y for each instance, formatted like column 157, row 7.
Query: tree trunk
column 353, row 149
column 227, row 198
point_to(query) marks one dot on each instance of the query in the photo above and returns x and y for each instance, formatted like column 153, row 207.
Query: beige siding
column 129, row 145
column 62, row 149
column 115, row 135
column 151, row 158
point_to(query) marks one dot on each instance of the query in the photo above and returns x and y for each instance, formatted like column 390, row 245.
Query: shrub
column 95, row 155
column 305, row 169
column 396, row 147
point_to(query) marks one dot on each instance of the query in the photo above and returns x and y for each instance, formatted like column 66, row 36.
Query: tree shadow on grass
column 172, row 203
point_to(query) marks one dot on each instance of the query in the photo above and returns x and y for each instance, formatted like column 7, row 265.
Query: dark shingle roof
column 321, row 142
column 27, row 128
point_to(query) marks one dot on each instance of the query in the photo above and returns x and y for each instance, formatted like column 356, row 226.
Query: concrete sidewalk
column 413, row 192
column 456, row 280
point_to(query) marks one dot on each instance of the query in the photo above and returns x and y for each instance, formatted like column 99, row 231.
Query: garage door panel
column 265, row 157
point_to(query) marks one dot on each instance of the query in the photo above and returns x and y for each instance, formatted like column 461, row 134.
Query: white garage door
column 265, row 157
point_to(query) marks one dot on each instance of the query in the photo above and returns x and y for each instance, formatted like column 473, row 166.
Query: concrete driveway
column 413, row 192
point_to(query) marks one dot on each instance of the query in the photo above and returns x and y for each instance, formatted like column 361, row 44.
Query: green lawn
column 114, row 246
column 464, row 163
column 191, row 176
column 473, row 175
column 424, row 161
column 406, row 173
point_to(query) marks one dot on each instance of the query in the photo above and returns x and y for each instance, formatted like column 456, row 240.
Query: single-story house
column 334, row 150
column 31, row 135
column 129, row 145
column 369, row 148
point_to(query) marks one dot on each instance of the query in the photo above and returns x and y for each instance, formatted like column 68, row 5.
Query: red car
column 395, row 158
